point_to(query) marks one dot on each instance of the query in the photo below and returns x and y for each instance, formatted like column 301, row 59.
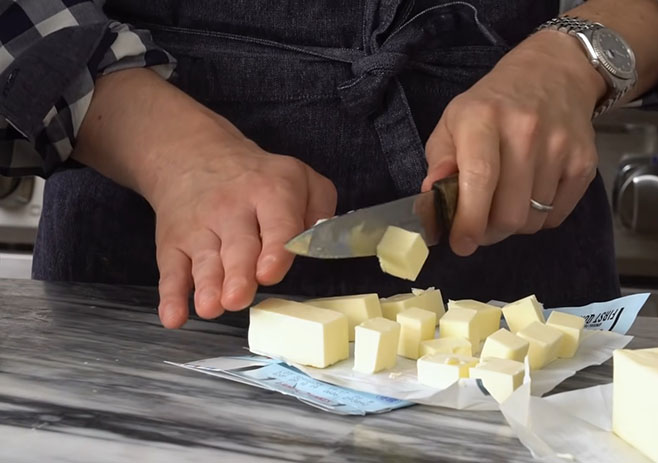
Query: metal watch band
column 568, row 24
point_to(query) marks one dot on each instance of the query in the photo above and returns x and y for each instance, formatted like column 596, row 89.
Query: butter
column 523, row 312
column 416, row 325
column 488, row 315
column 442, row 370
column 500, row 377
column 298, row 332
column 357, row 308
column 462, row 323
column 504, row 345
column 459, row 346
column 429, row 299
column 572, row 329
column 544, row 342
column 376, row 345
column 634, row 398
column 402, row 253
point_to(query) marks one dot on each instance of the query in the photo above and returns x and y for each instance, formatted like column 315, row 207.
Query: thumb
column 441, row 155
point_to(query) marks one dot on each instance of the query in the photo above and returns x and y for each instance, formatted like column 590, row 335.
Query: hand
column 523, row 131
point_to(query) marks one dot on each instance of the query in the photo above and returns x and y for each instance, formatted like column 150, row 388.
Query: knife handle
column 445, row 200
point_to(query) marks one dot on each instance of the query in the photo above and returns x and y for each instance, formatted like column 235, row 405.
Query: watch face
column 615, row 55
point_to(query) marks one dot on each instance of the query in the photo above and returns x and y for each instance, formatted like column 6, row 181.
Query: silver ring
column 536, row 205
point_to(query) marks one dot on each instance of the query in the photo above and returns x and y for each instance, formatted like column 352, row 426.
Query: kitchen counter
column 82, row 379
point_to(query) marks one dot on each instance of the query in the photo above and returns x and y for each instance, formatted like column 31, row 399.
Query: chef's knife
column 357, row 233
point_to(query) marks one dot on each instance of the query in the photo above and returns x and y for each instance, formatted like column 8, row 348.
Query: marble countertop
column 82, row 379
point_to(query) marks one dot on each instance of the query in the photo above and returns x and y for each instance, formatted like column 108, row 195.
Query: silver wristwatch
column 610, row 55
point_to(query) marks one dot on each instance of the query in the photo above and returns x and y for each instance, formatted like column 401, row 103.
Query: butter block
column 523, row 312
column 416, row 325
column 459, row 346
column 544, row 344
column 500, row 377
column 441, row 370
column 462, row 323
column 402, row 253
column 634, row 398
column 428, row 299
column 376, row 345
column 488, row 315
column 504, row 345
column 298, row 332
column 572, row 329
column 357, row 308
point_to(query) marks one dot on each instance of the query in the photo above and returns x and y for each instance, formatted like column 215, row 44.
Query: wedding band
column 536, row 205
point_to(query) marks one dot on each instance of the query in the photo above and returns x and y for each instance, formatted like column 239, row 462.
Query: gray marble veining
column 82, row 379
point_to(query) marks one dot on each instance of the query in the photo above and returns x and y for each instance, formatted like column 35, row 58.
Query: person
column 282, row 113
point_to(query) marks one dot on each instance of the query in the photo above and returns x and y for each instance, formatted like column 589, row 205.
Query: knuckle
column 206, row 256
column 527, row 122
column 479, row 170
column 509, row 222
column 583, row 168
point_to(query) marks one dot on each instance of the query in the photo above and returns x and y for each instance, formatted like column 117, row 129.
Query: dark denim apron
column 354, row 89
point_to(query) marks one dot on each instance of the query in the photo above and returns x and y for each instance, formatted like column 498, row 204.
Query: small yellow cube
column 572, row 329
column 416, row 325
column 488, row 315
column 461, row 323
column 357, row 308
column 504, row 345
column 429, row 299
column 376, row 345
column 521, row 313
column 441, row 370
column 544, row 344
column 402, row 253
column 459, row 346
column 500, row 377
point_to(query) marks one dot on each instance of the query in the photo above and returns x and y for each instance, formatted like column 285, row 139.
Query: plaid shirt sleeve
column 51, row 52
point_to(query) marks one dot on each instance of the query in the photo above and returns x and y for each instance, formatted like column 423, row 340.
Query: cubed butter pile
column 428, row 299
column 357, row 309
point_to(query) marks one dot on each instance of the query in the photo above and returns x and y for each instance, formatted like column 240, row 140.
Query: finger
column 174, row 287
column 279, row 222
column 478, row 159
column 441, row 155
column 322, row 198
column 240, row 249
column 208, row 275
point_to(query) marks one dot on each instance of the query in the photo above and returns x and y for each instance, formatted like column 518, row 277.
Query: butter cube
column 441, row 370
column 298, row 332
column 416, row 325
column 402, row 253
column 357, row 308
column 571, row 327
column 544, row 343
column 376, row 346
column 523, row 312
column 488, row 315
column 504, row 345
column 429, row 299
column 461, row 323
column 500, row 377
column 634, row 399
column 458, row 346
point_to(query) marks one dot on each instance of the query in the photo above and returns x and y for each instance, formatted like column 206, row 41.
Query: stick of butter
column 416, row 325
column 634, row 399
column 521, row 313
column 357, row 308
column 488, row 315
column 402, row 253
column 462, row 323
column 429, row 299
column 441, row 370
column 298, row 332
column 572, row 329
column 504, row 345
column 376, row 345
column 499, row 376
column 544, row 343
column 453, row 345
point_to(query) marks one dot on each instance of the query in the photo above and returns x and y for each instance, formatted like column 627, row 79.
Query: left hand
column 523, row 131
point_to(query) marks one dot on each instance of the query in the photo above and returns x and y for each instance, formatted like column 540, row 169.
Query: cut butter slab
column 634, row 398
column 462, row 323
column 402, row 253
column 504, row 345
column 488, row 317
column 523, row 312
column 298, row 332
column 357, row 308
column 376, row 345
column 428, row 299
column 500, row 377
column 544, row 344
column 452, row 345
column 441, row 370
column 416, row 325
column 572, row 330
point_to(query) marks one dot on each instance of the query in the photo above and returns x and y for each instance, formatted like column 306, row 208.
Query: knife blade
column 357, row 233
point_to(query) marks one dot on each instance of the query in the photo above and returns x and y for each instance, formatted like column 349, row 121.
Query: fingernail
column 207, row 295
